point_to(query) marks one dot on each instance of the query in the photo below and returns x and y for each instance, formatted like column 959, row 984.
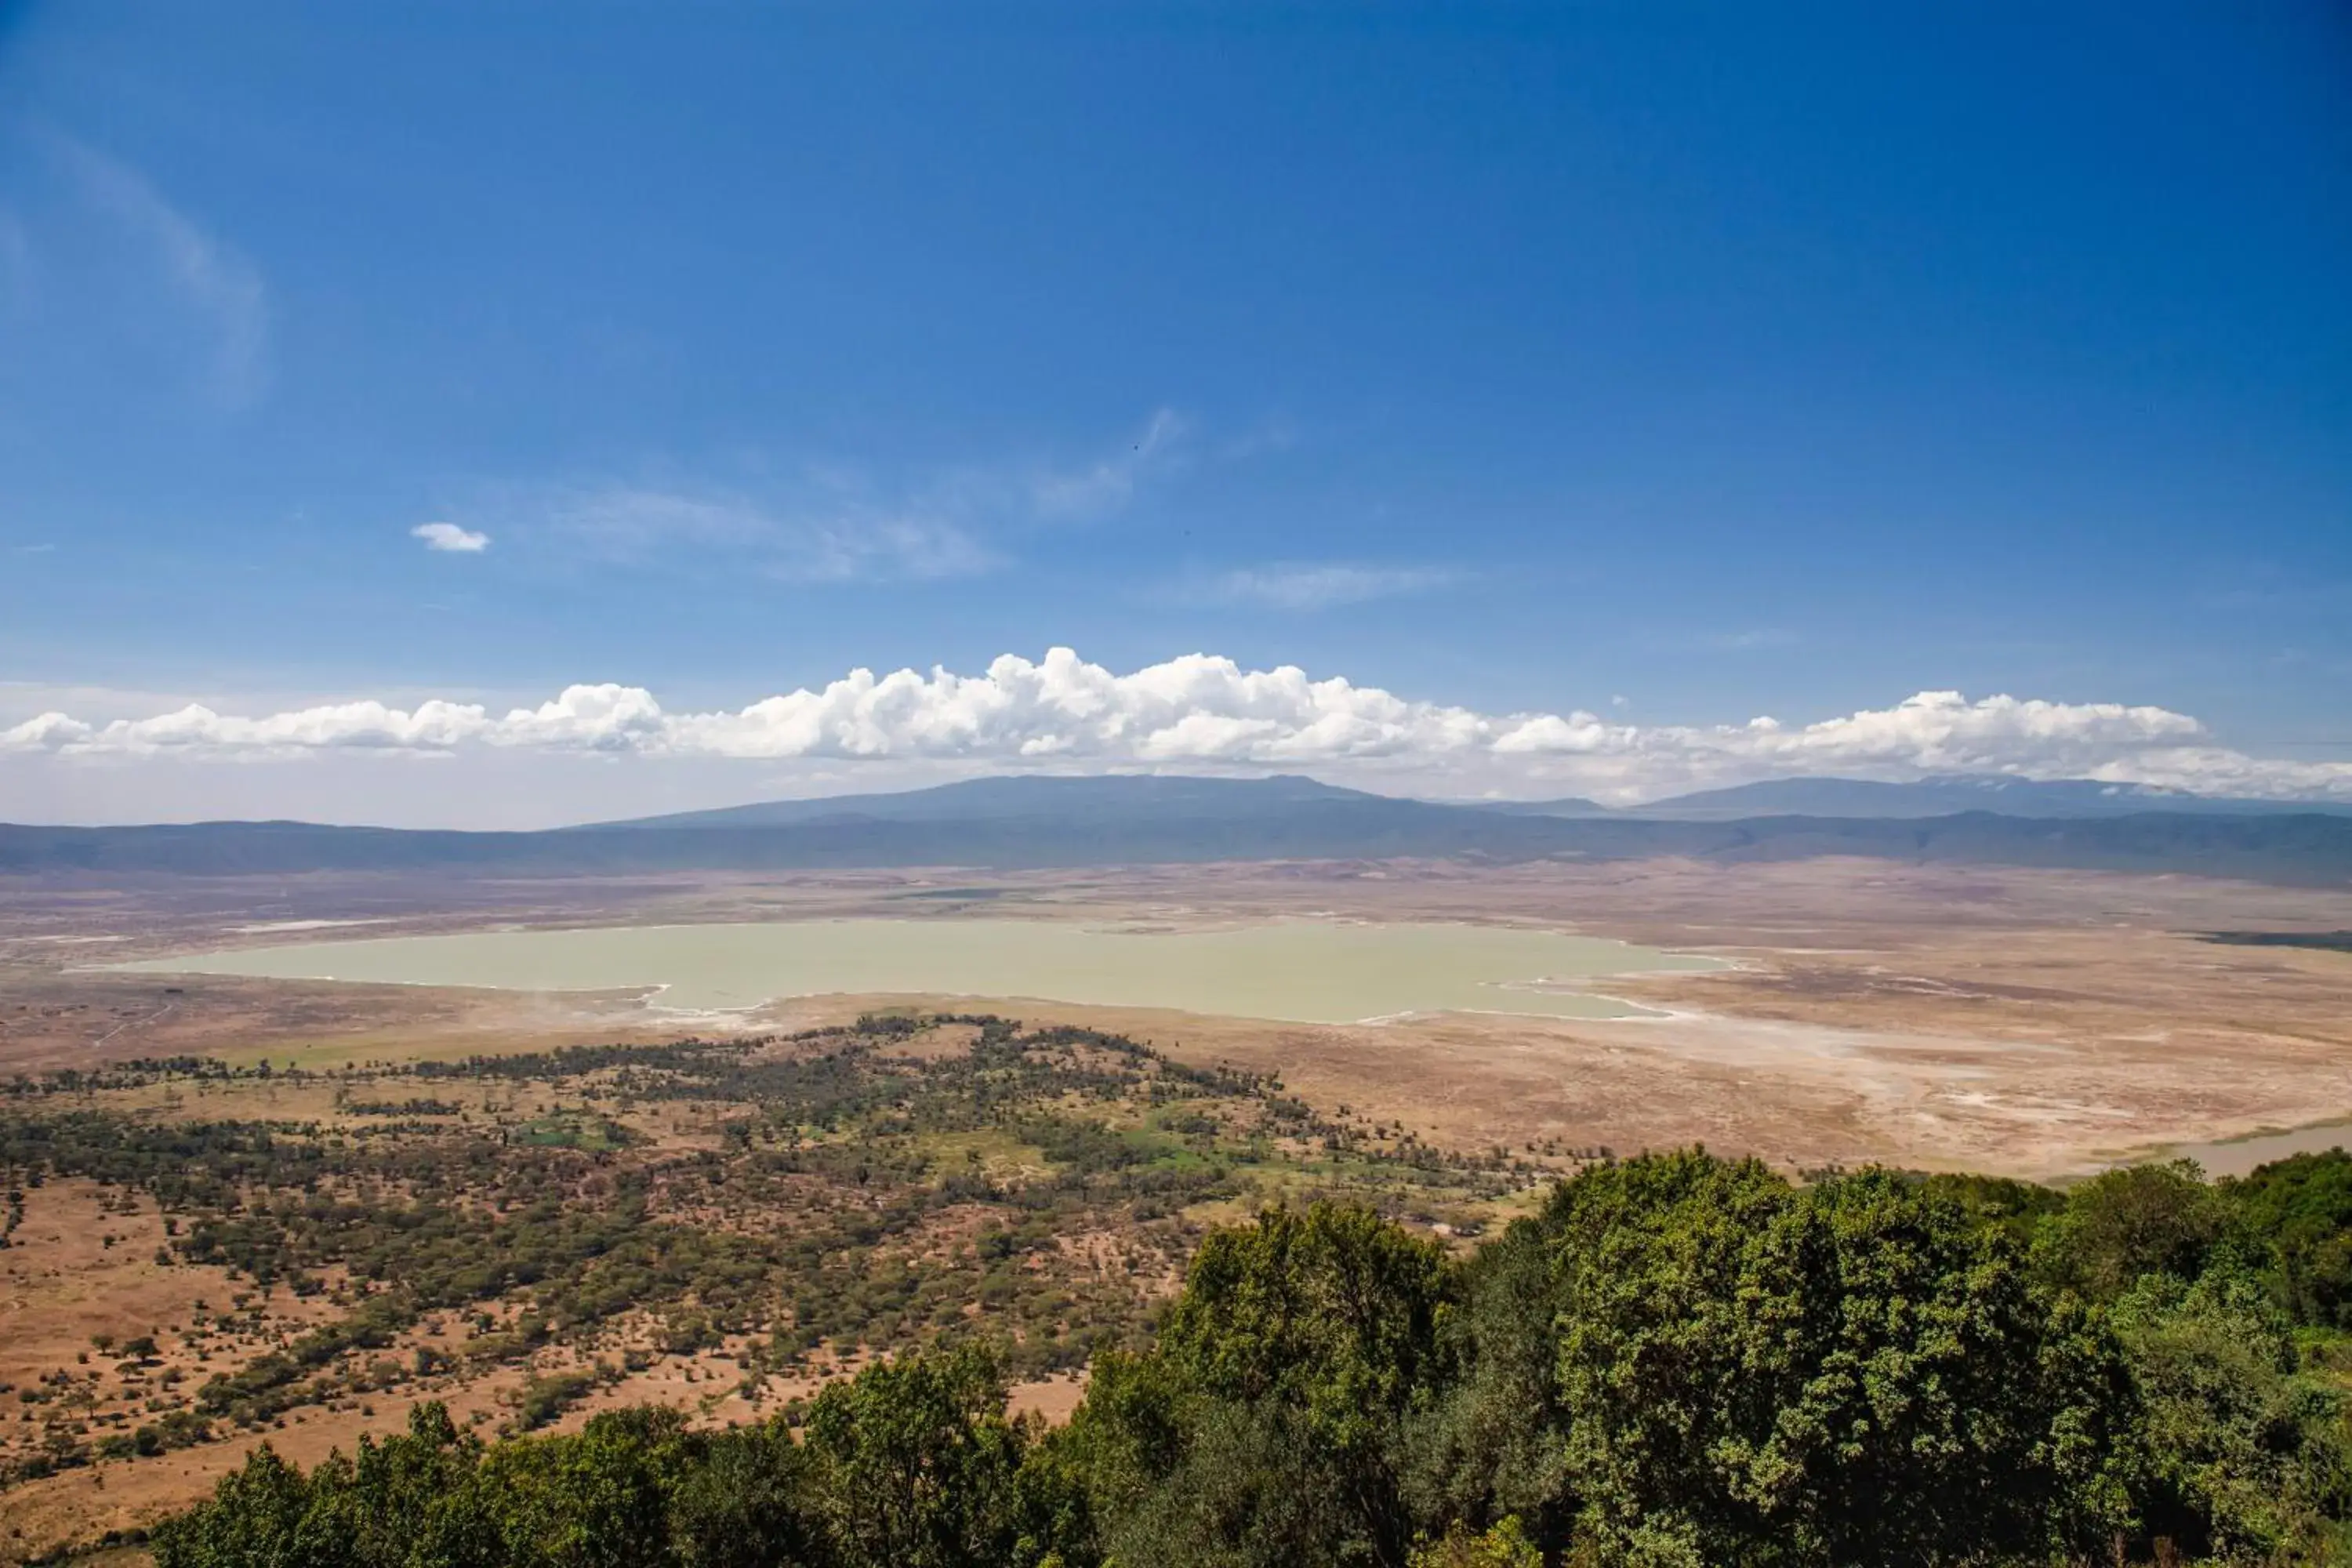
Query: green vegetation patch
column 2324, row 941
column 573, row 1130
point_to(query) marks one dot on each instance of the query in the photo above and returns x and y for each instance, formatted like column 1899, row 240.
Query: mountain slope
column 2306, row 849
column 1957, row 793
column 1567, row 805
column 1100, row 799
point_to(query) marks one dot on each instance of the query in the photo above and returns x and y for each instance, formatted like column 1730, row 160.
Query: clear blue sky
column 1676, row 362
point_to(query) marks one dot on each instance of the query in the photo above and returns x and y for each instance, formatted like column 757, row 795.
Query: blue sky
column 1666, row 365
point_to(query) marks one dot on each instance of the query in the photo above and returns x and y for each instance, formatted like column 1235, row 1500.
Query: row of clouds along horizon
column 1063, row 713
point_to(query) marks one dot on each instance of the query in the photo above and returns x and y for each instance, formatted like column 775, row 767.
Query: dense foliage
column 1679, row 1361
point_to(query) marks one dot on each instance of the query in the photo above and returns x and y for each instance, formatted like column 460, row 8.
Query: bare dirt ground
column 81, row 1274
column 93, row 1322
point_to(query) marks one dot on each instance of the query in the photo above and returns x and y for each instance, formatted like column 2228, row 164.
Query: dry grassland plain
column 2034, row 1023
column 2030, row 1022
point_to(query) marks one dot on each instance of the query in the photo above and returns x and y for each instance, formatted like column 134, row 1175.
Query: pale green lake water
column 1318, row 971
column 2239, row 1156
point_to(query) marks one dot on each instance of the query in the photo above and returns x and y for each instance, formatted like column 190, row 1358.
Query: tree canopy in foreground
column 1681, row 1362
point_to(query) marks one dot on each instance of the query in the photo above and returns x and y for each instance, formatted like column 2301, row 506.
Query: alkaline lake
column 1298, row 971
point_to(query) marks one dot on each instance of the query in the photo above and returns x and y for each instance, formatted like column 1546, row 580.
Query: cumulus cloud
column 1206, row 711
column 208, row 274
column 448, row 536
column 1308, row 585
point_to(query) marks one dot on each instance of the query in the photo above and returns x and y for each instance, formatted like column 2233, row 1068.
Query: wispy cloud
column 1276, row 434
column 827, row 521
column 1320, row 586
column 1753, row 640
column 845, row 541
column 1106, row 486
column 206, row 273
column 448, row 536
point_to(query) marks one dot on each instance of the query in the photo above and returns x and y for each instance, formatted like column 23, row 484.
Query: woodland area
column 529, row 1237
column 1682, row 1360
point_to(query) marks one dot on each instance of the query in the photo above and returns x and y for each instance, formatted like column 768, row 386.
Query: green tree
column 599, row 1499
column 916, row 1463
column 1681, row 1361
column 1855, row 1372
column 748, row 1502
column 1053, row 1504
column 1491, row 1442
column 256, row 1519
column 1505, row 1545
column 413, row 1499
column 2243, row 1459
column 2301, row 1209
column 1251, row 1488
column 2121, row 1224
column 1322, row 1326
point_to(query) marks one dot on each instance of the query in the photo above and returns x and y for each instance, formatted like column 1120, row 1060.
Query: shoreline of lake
column 1289, row 971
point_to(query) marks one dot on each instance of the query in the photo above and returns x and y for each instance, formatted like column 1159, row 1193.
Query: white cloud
column 1201, row 710
column 448, row 536
column 206, row 272
column 1308, row 585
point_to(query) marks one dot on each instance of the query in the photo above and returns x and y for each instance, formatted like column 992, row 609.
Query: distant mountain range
column 1947, row 796
column 1111, row 797
column 1014, row 822
column 1120, row 796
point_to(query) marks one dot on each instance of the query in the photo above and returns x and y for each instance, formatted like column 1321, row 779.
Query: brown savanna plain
column 2030, row 1022
column 2034, row 1023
